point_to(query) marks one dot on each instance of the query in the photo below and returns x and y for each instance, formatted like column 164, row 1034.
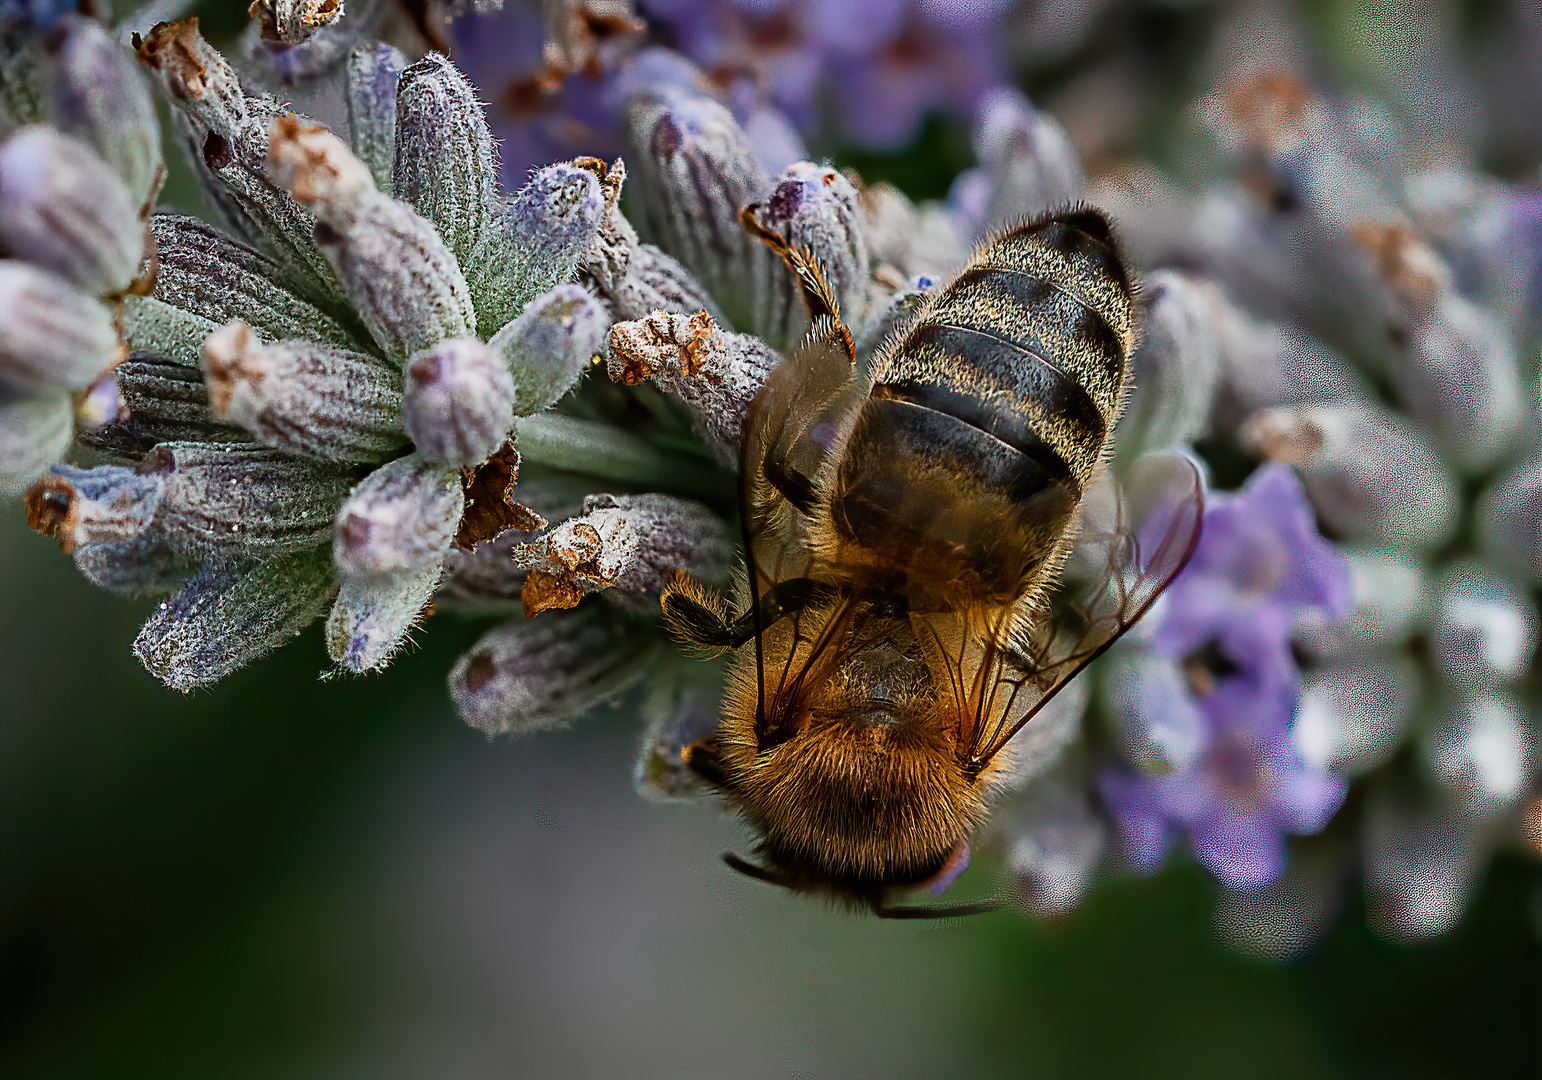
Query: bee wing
column 792, row 423
column 1152, row 537
column 789, row 432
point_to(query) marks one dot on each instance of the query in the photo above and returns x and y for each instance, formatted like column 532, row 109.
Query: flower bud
column 301, row 63
column 892, row 314
column 199, row 81
column 1369, row 475
column 1027, row 156
column 1057, row 840
column 655, row 281
column 104, row 505
column 1421, row 862
column 632, row 277
column 303, row 397
column 399, row 275
column 1285, row 918
column 240, row 501
column 1509, row 523
column 371, row 617
column 398, row 521
column 101, row 99
column 293, row 21
column 1176, row 367
column 1480, row 748
column 551, row 344
column 485, row 579
column 446, row 164
column 546, row 229
column 34, row 433
column 630, row 545
column 51, row 335
column 374, row 69
column 63, row 209
column 941, row 243
column 576, row 30
column 696, row 168
column 1484, row 627
column 1352, row 716
column 459, row 402
column 1461, row 383
column 143, row 566
column 228, row 133
column 530, row 676
column 203, row 272
column 1390, row 596
column 889, row 220
column 224, row 617
column 717, row 373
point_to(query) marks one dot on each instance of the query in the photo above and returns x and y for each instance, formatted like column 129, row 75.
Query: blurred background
column 292, row 877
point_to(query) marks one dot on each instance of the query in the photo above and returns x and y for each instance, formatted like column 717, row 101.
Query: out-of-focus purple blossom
column 866, row 72
column 1230, row 773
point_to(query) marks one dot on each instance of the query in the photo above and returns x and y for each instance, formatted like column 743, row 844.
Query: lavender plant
column 317, row 405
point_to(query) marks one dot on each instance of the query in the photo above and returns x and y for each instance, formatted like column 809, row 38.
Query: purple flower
column 863, row 71
column 1209, row 701
column 882, row 65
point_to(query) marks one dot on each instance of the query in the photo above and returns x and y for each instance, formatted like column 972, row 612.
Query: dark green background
column 293, row 878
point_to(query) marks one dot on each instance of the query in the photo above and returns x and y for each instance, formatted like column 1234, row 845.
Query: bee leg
column 752, row 870
column 702, row 759
column 695, row 614
column 782, row 599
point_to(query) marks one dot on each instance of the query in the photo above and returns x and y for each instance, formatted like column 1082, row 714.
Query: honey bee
column 904, row 532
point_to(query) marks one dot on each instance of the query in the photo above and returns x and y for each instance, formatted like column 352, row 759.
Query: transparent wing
column 1004, row 675
column 789, row 433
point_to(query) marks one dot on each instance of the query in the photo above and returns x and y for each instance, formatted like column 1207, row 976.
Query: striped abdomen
column 987, row 418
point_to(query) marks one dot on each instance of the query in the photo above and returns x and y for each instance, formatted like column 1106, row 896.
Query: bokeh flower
column 1206, row 700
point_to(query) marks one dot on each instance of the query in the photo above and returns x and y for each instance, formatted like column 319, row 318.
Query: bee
column 904, row 533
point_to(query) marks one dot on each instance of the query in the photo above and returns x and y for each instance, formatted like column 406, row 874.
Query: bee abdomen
column 1028, row 344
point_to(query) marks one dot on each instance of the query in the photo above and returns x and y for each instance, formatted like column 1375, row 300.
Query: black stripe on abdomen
column 1057, row 395
column 1015, row 300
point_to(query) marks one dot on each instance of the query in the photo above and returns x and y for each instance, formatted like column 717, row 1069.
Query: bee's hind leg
column 696, row 614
